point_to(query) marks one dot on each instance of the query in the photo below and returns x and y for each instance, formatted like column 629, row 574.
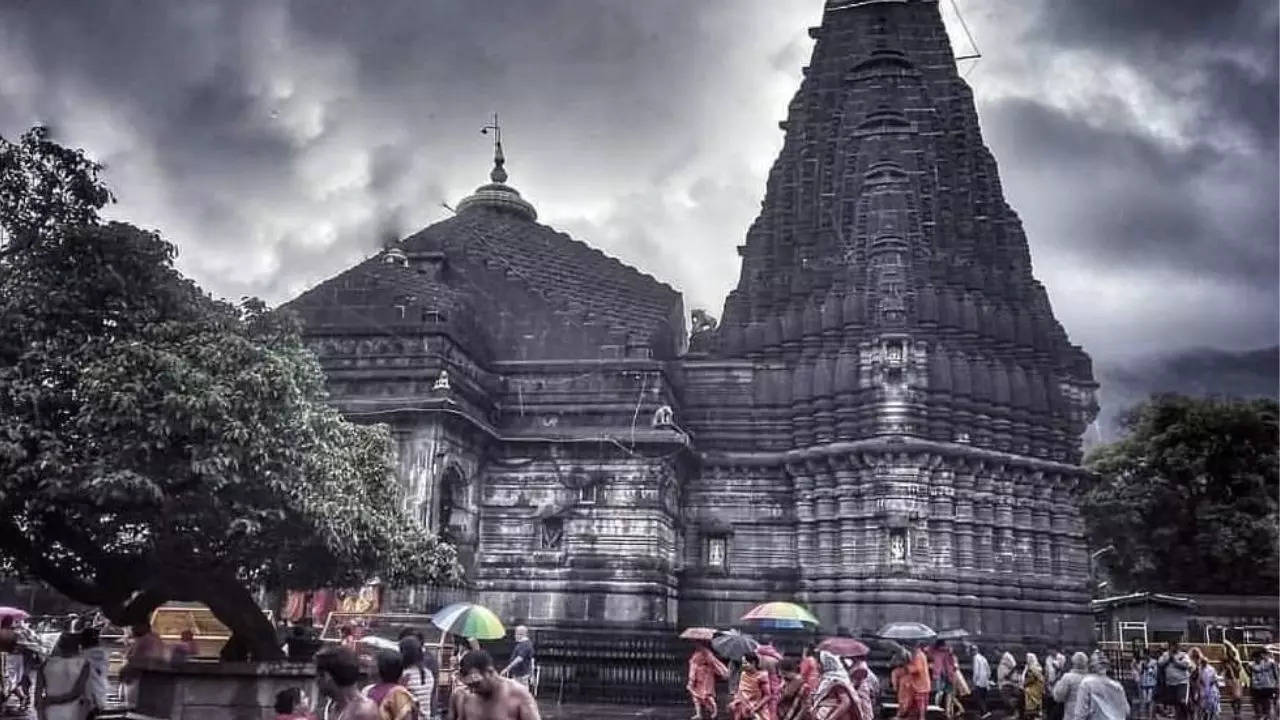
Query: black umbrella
column 732, row 645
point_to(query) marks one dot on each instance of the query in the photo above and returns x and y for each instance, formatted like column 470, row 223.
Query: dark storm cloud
column 1136, row 201
column 1222, row 52
column 279, row 141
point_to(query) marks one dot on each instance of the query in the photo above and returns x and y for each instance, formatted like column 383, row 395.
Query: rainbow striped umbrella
column 469, row 621
column 783, row 615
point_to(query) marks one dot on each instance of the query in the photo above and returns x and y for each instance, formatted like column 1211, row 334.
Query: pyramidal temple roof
column 884, row 209
column 508, row 277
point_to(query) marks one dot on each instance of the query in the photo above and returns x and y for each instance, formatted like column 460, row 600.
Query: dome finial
column 499, row 173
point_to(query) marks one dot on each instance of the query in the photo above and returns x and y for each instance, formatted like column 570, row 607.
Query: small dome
column 498, row 195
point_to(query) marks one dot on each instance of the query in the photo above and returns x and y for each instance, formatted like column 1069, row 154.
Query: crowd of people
column 765, row 685
column 1189, row 684
column 405, row 689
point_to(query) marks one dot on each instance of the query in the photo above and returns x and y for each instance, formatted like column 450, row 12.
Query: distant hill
column 1125, row 383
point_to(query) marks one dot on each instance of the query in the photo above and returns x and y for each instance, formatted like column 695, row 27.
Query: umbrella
column 470, row 621
column 733, row 645
column 13, row 612
column 698, row 633
column 380, row 643
column 908, row 631
column 955, row 634
column 783, row 615
column 844, row 647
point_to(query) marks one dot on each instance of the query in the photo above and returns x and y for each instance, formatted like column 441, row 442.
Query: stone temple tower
column 888, row 416
column 885, row 425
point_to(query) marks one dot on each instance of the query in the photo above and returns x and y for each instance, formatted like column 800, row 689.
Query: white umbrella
column 380, row 643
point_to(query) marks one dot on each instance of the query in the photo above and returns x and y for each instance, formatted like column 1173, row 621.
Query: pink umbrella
column 14, row 613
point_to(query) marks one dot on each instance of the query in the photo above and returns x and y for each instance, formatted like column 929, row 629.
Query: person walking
column 1055, row 666
column 1064, row 691
column 1032, row 688
column 489, row 696
column 520, row 667
column 704, row 669
column 337, row 671
column 1098, row 697
column 1206, row 678
column 809, row 669
column 1009, row 684
column 394, row 700
column 1235, row 678
column 751, row 698
column 912, row 685
column 1148, row 674
column 419, row 676
column 981, row 680
column 836, row 697
column 1262, row 684
column 99, row 665
column 795, row 694
column 62, row 692
column 869, row 686
column 1175, row 671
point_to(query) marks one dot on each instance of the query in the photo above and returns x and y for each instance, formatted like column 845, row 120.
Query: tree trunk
column 234, row 605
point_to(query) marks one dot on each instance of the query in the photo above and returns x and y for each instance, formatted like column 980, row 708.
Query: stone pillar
column 806, row 537
column 846, row 484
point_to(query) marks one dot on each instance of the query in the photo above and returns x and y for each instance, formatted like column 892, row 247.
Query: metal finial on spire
column 499, row 173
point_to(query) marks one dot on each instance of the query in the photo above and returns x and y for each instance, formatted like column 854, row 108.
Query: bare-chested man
column 337, row 672
column 488, row 695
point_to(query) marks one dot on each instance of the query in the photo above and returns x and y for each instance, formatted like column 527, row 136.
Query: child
column 291, row 705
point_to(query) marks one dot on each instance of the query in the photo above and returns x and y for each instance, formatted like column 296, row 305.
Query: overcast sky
column 279, row 142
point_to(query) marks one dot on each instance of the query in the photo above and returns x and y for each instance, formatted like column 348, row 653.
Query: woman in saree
column 835, row 698
column 1032, row 688
column 751, row 699
column 1235, row 677
column 794, row 704
column 704, row 669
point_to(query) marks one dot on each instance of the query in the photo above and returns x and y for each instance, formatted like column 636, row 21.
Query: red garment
column 704, row 668
column 943, row 664
column 810, row 672
column 917, row 676
column 751, row 701
column 323, row 602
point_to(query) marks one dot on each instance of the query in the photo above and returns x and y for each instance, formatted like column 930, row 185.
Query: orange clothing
column 810, row 672
column 704, row 668
column 751, row 701
column 917, row 677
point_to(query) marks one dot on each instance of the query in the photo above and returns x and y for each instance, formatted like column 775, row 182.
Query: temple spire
column 499, row 172
column 498, row 195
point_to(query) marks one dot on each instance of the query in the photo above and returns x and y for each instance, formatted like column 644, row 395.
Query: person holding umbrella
column 704, row 669
column 912, row 684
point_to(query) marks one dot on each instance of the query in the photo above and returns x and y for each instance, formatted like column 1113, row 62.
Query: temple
column 885, row 425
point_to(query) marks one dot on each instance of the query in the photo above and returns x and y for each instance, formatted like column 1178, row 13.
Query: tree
column 1189, row 497
column 44, row 187
column 157, row 444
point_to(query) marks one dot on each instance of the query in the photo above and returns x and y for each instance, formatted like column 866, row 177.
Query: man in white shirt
column 981, row 681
